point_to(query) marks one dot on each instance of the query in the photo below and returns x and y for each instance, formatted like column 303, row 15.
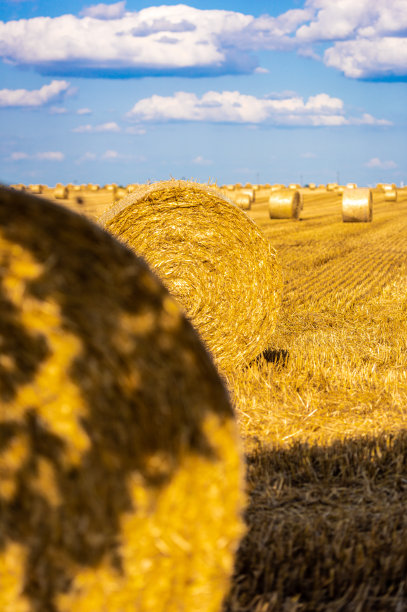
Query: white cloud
column 42, row 156
column 83, row 111
column 35, row 97
column 18, row 155
column 135, row 44
column 105, row 11
column 376, row 162
column 369, row 58
column 368, row 39
column 110, row 126
column 201, row 161
column 235, row 107
column 88, row 156
column 110, row 154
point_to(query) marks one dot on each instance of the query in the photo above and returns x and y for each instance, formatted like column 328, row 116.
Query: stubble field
column 323, row 419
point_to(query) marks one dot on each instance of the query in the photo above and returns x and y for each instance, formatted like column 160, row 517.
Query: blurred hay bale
column 331, row 186
column 243, row 200
column 351, row 186
column 277, row 187
column 357, row 205
column 37, row 189
column 120, row 193
column 213, row 259
column 61, row 192
column 93, row 187
column 285, row 204
column 76, row 188
column 294, row 186
column 390, row 195
column 312, row 186
column 120, row 471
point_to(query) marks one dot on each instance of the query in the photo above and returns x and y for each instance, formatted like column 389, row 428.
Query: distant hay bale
column 277, row 187
column 212, row 257
column 285, row 204
column 61, row 193
column 120, row 193
column 76, row 188
column 312, row 186
column 230, row 187
column 37, row 189
column 93, row 187
column 357, row 205
column 250, row 192
column 120, row 472
column 390, row 195
column 294, row 186
column 243, row 201
column 331, row 186
column 351, row 186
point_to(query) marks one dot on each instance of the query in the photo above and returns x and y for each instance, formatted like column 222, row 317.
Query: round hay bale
column 357, row 205
column 76, row 188
column 294, row 186
column 277, row 187
column 250, row 192
column 61, row 193
column 285, row 204
column 120, row 193
column 331, row 186
column 390, row 195
column 351, row 186
column 120, row 473
column 212, row 257
column 93, row 187
column 312, row 186
column 37, row 189
column 243, row 201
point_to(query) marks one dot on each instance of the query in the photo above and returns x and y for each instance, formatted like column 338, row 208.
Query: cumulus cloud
column 110, row 126
column 365, row 39
column 376, row 162
column 135, row 44
column 35, row 97
column 105, row 11
column 235, row 107
column 42, row 156
column 369, row 37
column 369, row 58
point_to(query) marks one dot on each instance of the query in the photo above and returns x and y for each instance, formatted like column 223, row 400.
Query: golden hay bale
column 277, row 187
column 76, row 188
column 35, row 188
column 61, row 193
column 351, row 186
column 230, row 187
column 212, row 257
column 130, row 188
column 250, row 192
column 390, row 195
column 331, row 186
column 312, row 186
column 93, row 187
column 357, row 205
column 120, row 193
column 294, row 186
column 285, row 204
column 243, row 201
column 120, row 474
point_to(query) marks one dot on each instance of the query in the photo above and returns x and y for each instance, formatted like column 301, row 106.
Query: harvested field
column 323, row 416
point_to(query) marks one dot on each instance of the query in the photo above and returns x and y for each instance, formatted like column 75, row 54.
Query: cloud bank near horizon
column 235, row 107
column 364, row 40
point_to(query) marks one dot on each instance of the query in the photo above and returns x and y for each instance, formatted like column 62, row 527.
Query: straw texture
column 285, row 204
column 357, row 205
column 119, row 463
column 212, row 257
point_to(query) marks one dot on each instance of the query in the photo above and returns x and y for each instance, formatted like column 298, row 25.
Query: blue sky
column 278, row 92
